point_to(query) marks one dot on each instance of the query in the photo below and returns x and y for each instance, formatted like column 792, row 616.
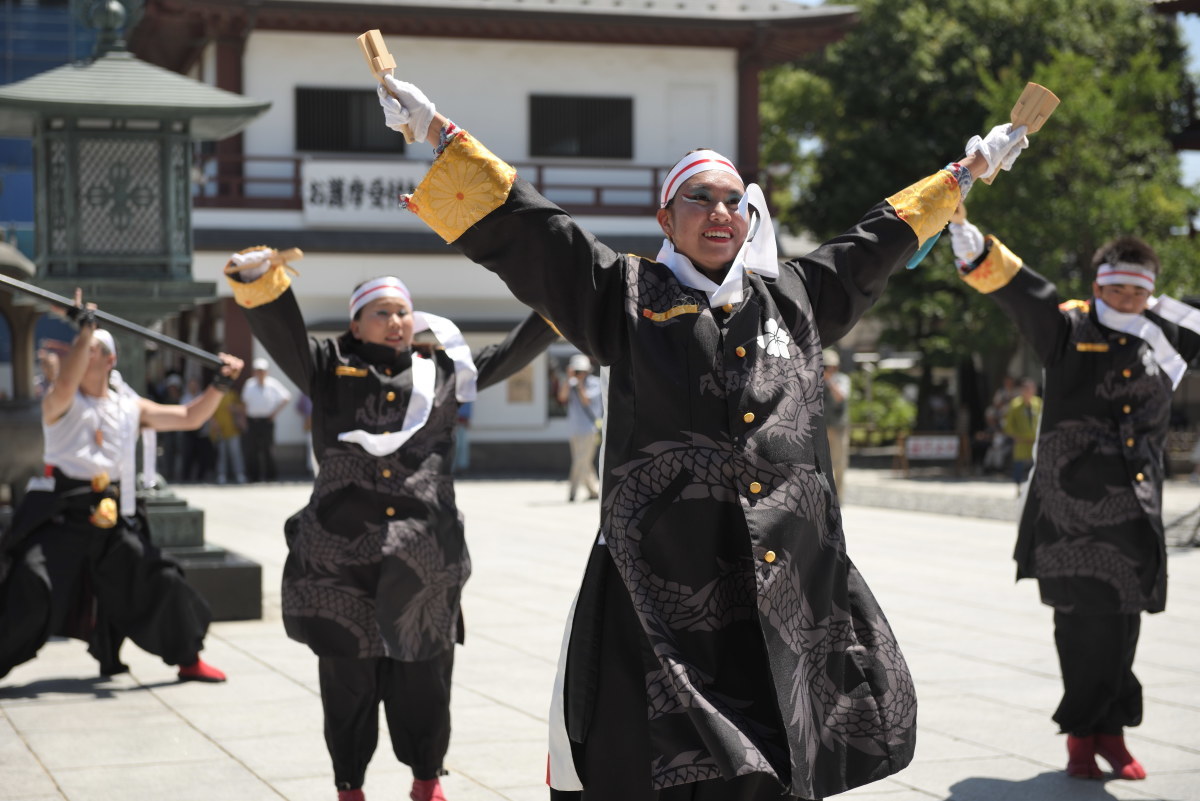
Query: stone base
column 231, row 584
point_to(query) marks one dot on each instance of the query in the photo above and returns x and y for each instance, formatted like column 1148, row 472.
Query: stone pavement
column 980, row 648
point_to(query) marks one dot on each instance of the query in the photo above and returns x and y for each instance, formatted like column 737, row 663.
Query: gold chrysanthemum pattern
column 465, row 184
column 996, row 270
column 262, row 291
column 927, row 205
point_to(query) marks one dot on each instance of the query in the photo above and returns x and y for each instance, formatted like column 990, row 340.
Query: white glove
column 966, row 240
column 253, row 264
column 406, row 109
column 1000, row 147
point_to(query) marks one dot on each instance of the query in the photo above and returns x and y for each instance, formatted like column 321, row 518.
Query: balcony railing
column 276, row 182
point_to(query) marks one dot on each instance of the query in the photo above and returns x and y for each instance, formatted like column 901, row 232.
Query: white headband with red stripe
column 689, row 165
column 386, row 287
column 1122, row 273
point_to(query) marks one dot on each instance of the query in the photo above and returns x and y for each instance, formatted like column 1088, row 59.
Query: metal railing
column 276, row 182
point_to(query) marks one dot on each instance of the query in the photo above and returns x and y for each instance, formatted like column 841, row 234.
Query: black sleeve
column 847, row 275
column 522, row 345
column 556, row 268
column 1033, row 304
column 279, row 326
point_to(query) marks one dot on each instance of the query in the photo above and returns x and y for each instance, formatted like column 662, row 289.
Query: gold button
column 755, row 487
column 390, row 511
column 391, row 396
column 769, row 556
column 387, row 473
column 1127, row 372
column 748, row 417
column 1129, row 442
column 1122, row 341
column 740, row 351
column 1127, row 408
column 1140, row 477
column 387, row 371
column 385, row 433
column 727, row 308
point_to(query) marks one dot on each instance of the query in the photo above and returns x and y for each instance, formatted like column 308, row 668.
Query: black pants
column 260, row 449
column 416, row 700
column 139, row 592
column 1100, row 693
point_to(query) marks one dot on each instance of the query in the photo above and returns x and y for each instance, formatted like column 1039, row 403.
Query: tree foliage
column 898, row 98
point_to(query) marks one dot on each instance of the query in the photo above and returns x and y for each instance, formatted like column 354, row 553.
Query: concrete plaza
column 980, row 648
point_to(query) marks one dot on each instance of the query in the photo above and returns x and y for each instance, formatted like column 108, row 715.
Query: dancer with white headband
column 377, row 559
column 1091, row 529
column 77, row 560
column 722, row 645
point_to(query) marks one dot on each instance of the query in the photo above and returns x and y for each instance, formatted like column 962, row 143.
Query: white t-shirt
column 90, row 437
column 262, row 400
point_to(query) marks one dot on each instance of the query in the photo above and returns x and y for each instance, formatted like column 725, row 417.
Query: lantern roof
column 118, row 85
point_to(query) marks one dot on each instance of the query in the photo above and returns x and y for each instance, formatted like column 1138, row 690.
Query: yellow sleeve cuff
column 261, row 291
column 465, row 184
column 927, row 205
column 996, row 270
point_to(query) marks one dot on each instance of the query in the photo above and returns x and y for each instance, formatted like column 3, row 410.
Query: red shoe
column 1112, row 748
column 427, row 790
column 351, row 795
column 1081, row 758
column 200, row 671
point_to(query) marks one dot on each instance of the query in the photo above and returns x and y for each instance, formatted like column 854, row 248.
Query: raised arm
column 195, row 413
column 262, row 287
column 1027, row 298
column 522, row 345
column 476, row 202
column 846, row 275
column 61, row 395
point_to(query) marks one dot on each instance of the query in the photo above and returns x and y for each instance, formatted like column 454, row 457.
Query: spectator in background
column 1021, row 425
column 225, row 430
column 170, row 443
column 462, row 442
column 581, row 394
column 264, row 397
column 837, row 416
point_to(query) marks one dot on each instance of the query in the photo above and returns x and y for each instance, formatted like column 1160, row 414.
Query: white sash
column 424, row 377
column 1142, row 327
column 758, row 254
column 424, row 384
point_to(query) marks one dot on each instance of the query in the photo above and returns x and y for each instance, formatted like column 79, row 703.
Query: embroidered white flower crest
column 775, row 341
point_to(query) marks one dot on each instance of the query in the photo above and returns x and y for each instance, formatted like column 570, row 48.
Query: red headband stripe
column 683, row 171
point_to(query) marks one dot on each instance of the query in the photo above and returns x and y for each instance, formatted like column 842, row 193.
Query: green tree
column 900, row 95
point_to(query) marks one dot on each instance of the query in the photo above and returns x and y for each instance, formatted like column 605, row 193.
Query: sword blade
column 112, row 321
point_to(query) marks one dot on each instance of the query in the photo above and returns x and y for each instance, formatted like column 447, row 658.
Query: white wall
column 683, row 97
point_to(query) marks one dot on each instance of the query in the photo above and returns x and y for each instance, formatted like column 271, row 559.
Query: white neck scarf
column 424, row 385
column 1145, row 329
column 758, row 254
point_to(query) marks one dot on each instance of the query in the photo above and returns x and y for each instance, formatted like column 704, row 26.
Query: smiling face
column 1124, row 298
column 387, row 321
column 702, row 221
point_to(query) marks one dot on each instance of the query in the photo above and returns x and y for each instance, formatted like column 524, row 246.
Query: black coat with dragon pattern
column 718, row 506
column 377, row 559
column 1091, row 529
